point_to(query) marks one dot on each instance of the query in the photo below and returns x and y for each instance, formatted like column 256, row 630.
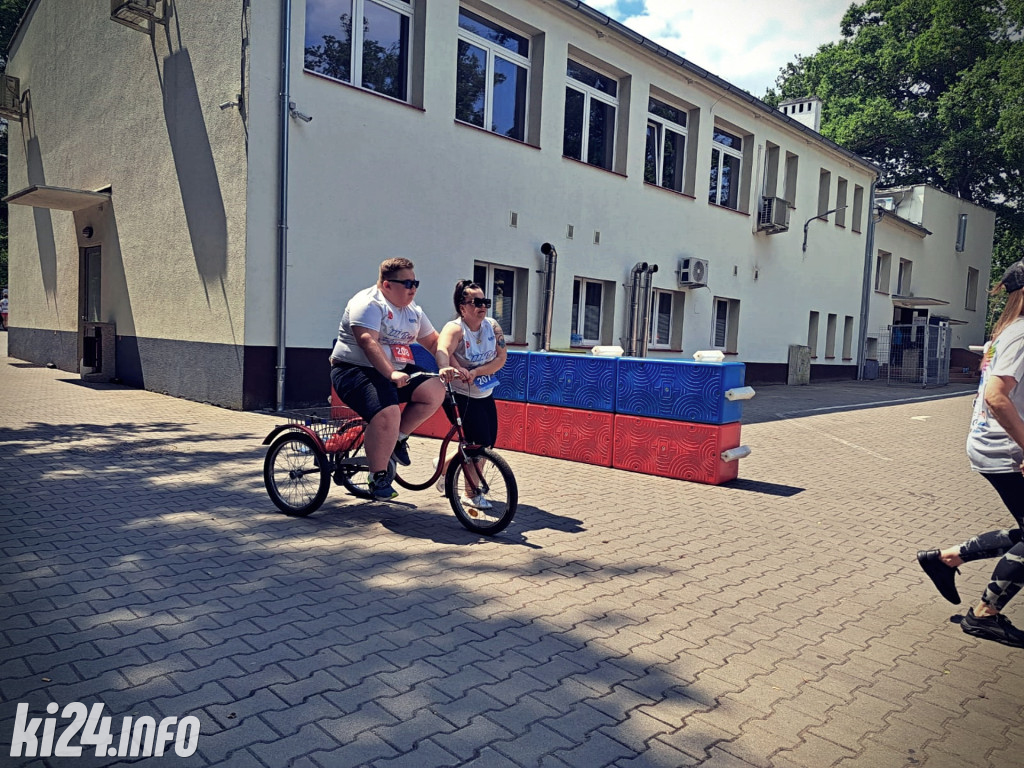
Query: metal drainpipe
column 282, row 219
column 550, row 261
column 865, row 288
column 645, row 309
column 634, row 306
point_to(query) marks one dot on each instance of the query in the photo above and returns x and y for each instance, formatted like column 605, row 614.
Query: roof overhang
column 914, row 302
column 56, row 198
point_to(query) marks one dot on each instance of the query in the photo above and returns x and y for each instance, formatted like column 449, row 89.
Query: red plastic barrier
column 570, row 433
column 511, row 425
column 676, row 449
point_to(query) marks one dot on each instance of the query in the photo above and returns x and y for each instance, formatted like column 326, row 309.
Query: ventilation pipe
column 550, row 262
column 646, row 291
column 633, row 320
column 282, row 218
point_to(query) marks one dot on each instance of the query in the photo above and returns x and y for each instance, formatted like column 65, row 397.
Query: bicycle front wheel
column 483, row 492
column 296, row 474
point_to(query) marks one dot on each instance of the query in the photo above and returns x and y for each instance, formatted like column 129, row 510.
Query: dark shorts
column 367, row 392
column 479, row 419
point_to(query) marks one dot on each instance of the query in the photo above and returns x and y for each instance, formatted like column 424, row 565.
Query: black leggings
column 1007, row 544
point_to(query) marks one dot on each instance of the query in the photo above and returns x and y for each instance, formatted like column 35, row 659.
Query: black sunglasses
column 478, row 302
column 409, row 284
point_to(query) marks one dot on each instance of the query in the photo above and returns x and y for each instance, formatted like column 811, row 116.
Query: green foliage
column 933, row 92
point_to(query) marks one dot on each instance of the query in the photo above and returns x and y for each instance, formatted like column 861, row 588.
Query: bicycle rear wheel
column 484, row 496
column 296, row 474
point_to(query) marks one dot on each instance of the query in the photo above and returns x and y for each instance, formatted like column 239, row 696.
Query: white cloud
column 745, row 42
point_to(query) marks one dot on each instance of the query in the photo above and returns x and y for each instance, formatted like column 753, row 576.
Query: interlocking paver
column 777, row 621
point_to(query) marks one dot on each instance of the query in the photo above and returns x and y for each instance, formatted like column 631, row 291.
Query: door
column 90, row 280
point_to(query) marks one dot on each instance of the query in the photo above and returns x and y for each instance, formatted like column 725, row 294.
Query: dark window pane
column 728, row 140
column 471, row 70
column 721, row 322
column 716, row 159
column 730, row 182
column 328, row 47
column 601, row 134
column 572, row 141
column 576, row 307
column 660, row 109
column 651, row 155
column 664, row 330
column 592, row 312
column 488, row 30
column 596, row 80
column 480, row 276
column 508, row 110
column 672, row 166
column 385, row 50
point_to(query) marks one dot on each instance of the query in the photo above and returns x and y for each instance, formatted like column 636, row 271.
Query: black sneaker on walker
column 380, row 486
column 996, row 628
column 401, row 452
column 942, row 576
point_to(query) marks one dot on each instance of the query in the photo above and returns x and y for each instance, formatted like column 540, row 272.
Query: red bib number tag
column 402, row 353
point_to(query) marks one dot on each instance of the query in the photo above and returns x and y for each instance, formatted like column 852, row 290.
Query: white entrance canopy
column 56, row 198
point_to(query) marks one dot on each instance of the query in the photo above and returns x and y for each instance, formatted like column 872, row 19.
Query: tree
column 933, row 92
column 10, row 13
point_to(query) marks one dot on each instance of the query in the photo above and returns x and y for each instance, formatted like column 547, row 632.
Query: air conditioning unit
column 693, row 273
column 773, row 215
column 140, row 15
column 10, row 98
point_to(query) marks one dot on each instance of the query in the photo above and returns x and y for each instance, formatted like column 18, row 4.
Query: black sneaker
column 401, row 452
column 996, row 628
column 380, row 488
column 942, row 576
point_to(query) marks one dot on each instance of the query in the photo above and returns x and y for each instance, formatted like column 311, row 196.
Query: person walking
column 995, row 447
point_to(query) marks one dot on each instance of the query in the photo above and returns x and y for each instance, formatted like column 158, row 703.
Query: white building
column 163, row 182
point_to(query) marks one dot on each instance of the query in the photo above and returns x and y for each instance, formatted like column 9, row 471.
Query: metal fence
column 914, row 354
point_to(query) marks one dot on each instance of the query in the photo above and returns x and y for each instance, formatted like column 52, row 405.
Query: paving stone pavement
column 621, row 620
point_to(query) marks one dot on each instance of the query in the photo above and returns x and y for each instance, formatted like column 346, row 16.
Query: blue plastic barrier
column 513, row 377
column 680, row 390
column 573, row 381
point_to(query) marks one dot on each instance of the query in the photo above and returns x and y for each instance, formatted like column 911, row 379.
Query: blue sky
column 743, row 41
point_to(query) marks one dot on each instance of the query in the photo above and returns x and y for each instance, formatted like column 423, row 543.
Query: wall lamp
column 819, row 216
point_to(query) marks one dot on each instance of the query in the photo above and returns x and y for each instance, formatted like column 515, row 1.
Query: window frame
column 577, row 325
column 724, row 150
column 404, row 8
column 591, row 93
column 971, row 298
column 903, row 277
column 661, row 125
column 655, row 313
column 731, row 326
column 494, row 51
column 512, row 332
column 883, row 258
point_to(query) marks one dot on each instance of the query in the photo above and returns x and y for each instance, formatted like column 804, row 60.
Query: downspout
column 645, row 309
column 865, row 288
column 634, row 307
column 550, row 262
column 282, row 217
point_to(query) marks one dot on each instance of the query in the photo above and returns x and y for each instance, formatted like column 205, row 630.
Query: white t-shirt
column 398, row 327
column 476, row 349
column 989, row 448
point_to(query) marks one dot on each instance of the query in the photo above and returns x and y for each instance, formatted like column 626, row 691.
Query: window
column 726, row 330
column 961, row 233
column 590, row 103
column 500, row 284
column 665, row 307
column 824, row 184
column 830, row 337
column 858, row 207
column 726, row 163
column 841, row 202
column 903, row 278
column 812, row 334
column 665, row 158
column 848, row 338
column 971, row 302
column 792, row 165
column 771, row 170
column 492, row 72
column 374, row 54
column 883, row 265
column 587, row 311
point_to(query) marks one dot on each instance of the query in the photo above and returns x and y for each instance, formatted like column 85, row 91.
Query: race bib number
column 486, row 383
column 402, row 353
